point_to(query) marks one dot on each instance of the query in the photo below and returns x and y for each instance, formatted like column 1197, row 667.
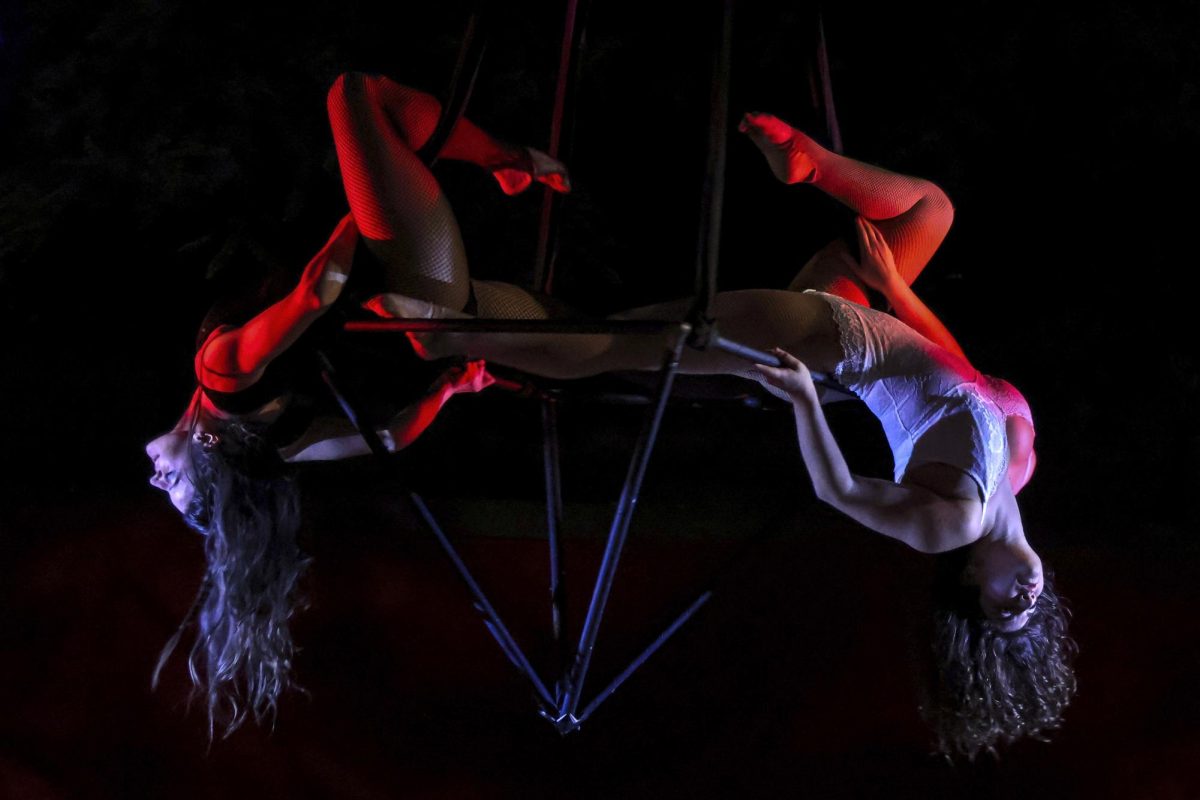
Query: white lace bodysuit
column 933, row 405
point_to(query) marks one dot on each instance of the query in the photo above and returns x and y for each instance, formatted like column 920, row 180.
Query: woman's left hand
column 792, row 377
column 877, row 269
column 471, row 377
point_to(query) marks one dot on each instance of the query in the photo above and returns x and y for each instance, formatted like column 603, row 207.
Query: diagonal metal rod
column 619, row 530
column 492, row 619
column 554, row 512
column 350, row 407
column 645, row 655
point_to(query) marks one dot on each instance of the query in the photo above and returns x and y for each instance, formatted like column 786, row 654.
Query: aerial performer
column 228, row 465
column 962, row 442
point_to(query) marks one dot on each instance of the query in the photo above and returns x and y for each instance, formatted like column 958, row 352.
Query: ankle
column 792, row 156
column 512, row 168
column 807, row 157
column 521, row 166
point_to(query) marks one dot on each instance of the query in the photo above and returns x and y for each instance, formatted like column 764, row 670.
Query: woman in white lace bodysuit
column 962, row 441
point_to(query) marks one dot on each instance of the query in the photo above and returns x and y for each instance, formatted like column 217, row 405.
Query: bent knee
column 938, row 206
column 348, row 91
column 411, row 113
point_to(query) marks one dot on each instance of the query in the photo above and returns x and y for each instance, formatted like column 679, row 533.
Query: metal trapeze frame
column 562, row 702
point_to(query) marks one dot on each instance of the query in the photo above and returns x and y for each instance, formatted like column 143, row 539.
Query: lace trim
column 850, row 338
column 1006, row 397
column 995, row 440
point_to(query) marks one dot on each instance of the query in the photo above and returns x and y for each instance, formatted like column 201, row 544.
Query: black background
column 149, row 145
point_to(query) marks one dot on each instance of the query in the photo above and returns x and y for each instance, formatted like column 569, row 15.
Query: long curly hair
column 247, row 504
column 990, row 687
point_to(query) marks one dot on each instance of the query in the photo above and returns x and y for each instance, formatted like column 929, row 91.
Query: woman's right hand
column 792, row 377
column 877, row 267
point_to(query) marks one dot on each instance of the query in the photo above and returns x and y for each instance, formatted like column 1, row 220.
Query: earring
column 207, row 441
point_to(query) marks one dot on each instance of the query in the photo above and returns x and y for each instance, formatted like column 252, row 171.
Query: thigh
column 763, row 319
column 499, row 300
column 831, row 269
column 403, row 214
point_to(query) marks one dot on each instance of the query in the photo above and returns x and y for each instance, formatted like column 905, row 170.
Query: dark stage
column 156, row 151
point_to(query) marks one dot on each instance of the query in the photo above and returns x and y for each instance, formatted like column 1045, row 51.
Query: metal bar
column 350, row 407
column 492, row 619
column 462, row 83
column 832, row 128
column 713, row 193
column 644, row 656
column 771, row 360
column 554, row 510
column 630, row 326
column 618, row 532
column 562, row 124
column 742, row 351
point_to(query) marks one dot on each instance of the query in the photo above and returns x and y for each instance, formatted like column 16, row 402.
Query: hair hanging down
column 248, row 506
column 989, row 686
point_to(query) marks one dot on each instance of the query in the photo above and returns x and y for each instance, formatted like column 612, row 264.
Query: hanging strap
column 713, row 193
column 822, row 87
column 562, row 126
column 462, row 83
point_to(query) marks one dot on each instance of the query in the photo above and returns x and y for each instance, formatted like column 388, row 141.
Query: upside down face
column 172, row 463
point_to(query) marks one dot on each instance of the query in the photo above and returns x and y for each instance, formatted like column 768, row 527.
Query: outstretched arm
column 923, row 520
column 878, row 270
column 233, row 359
column 330, row 439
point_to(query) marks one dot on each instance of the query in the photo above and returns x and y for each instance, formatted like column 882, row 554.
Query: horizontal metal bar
column 631, row 326
column 742, row 351
column 771, row 360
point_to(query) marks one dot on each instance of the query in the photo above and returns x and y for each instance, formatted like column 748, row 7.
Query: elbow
column 839, row 494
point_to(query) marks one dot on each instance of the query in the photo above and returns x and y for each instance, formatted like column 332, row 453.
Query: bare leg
column 761, row 318
column 914, row 214
column 401, row 211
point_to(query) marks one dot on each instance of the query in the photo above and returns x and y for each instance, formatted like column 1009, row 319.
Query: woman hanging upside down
column 226, row 465
column 962, row 442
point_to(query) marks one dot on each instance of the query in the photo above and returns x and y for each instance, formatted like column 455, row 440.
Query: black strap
column 462, row 83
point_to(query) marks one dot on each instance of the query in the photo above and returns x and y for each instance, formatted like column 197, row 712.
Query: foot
column 789, row 153
column 528, row 165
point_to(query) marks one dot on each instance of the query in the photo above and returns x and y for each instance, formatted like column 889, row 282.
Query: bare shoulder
column 216, row 362
column 963, row 515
